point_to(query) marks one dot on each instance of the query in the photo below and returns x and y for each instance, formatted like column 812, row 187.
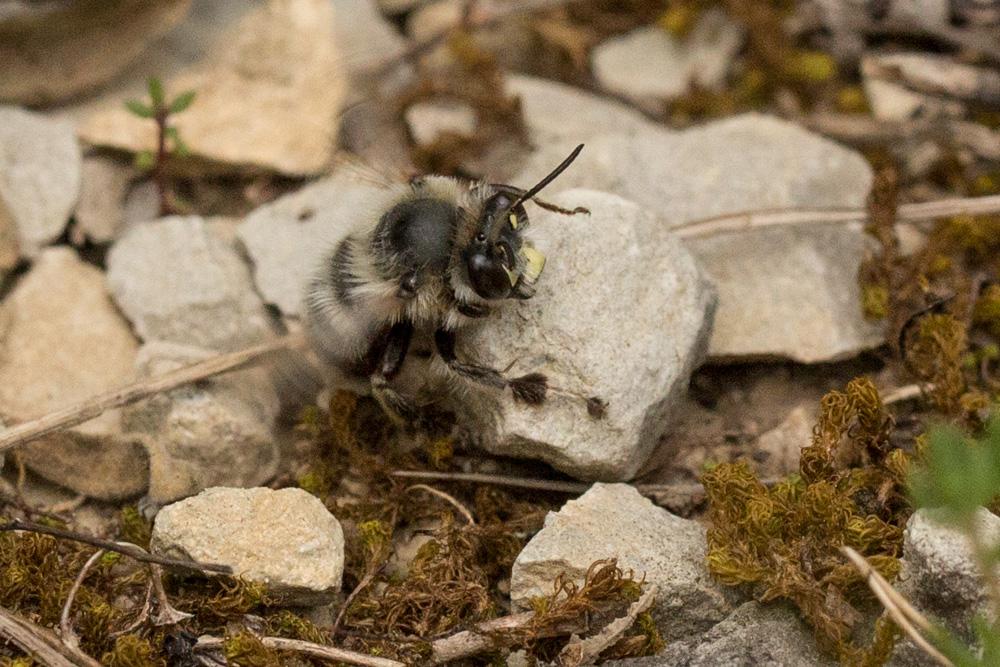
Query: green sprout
column 961, row 474
column 160, row 110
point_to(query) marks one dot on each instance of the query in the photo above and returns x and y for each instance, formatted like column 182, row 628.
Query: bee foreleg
column 390, row 361
column 530, row 388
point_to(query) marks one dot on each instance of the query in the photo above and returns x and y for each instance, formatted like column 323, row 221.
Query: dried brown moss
column 783, row 542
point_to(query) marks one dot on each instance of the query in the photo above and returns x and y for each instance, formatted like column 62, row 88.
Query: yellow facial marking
column 513, row 220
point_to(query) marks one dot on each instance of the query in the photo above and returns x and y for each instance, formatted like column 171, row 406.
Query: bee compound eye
column 481, row 237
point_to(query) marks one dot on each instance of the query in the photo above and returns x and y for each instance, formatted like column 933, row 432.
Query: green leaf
column 139, row 109
column 181, row 148
column 156, row 93
column 182, row 101
column 144, row 160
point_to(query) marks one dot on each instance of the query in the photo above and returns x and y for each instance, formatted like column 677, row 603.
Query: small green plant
column 160, row 110
column 960, row 474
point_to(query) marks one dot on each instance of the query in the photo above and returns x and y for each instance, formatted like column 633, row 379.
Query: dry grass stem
column 903, row 614
column 214, row 644
column 40, row 643
column 69, row 636
column 116, row 398
column 466, row 514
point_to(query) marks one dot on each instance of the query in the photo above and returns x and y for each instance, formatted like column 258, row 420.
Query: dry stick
column 444, row 496
column 796, row 216
column 902, row 615
column 94, row 407
column 481, row 638
column 166, row 613
column 580, row 652
column 127, row 548
column 143, row 613
column 69, row 636
column 206, row 644
column 41, row 643
column 904, row 393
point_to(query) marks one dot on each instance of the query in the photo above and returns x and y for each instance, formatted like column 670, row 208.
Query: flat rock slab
column 622, row 312
column 213, row 433
column 614, row 521
column 40, row 164
column 285, row 539
column 57, row 50
column 179, row 281
column 649, row 62
column 746, row 163
column 64, row 341
column 100, row 211
column 267, row 96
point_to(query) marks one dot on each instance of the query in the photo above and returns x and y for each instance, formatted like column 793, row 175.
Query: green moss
column 987, row 309
column 875, row 301
column 783, row 541
column 134, row 527
column 245, row 649
column 131, row 650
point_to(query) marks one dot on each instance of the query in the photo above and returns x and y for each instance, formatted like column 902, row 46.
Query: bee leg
column 530, row 388
column 395, row 346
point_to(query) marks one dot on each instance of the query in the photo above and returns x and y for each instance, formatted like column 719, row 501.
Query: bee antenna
column 538, row 187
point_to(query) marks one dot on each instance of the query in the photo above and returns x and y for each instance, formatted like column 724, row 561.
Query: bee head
column 500, row 263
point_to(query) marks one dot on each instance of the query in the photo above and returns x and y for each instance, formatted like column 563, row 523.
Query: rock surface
column 365, row 38
column 284, row 539
column 177, row 281
column 716, row 170
column 754, row 635
column 623, row 312
column 280, row 61
column 649, row 62
column 893, row 101
column 215, row 433
column 614, row 521
column 778, row 451
column 100, row 212
column 40, row 166
column 63, row 342
column 287, row 238
column 429, row 120
column 54, row 51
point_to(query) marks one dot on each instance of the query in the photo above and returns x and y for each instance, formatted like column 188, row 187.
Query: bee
column 435, row 257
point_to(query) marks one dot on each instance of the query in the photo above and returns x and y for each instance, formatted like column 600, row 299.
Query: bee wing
column 366, row 173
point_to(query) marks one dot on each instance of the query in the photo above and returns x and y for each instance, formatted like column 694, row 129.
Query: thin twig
column 166, row 613
column 372, row 568
column 444, row 496
column 211, row 644
column 69, row 636
column 126, row 548
column 116, row 398
column 905, row 393
column 499, row 480
column 143, row 613
column 481, row 638
column 737, row 222
column 901, row 615
column 41, row 643
column 580, row 652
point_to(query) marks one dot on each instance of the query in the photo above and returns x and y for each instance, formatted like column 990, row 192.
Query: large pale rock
column 268, row 96
column 100, row 212
column 53, row 51
column 216, row 433
column 285, row 539
column 40, row 166
column 622, row 312
column 287, row 238
column 795, row 293
column 892, row 100
column 755, row 635
column 614, row 521
column 63, row 342
column 10, row 244
column 365, row 37
column 649, row 62
column 429, row 120
column 178, row 281
column 746, row 163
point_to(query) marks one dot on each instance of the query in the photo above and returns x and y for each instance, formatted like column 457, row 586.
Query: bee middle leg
column 531, row 388
column 389, row 361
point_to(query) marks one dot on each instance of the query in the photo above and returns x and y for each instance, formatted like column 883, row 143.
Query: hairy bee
column 437, row 256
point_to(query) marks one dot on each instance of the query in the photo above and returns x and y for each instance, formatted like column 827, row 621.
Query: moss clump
column 937, row 355
column 783, row 541
column 245, row 649
column 987, row 310
column 133, row 651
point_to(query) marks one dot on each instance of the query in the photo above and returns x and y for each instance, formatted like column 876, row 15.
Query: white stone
column 893, row 101
column 177, row 281
column 40, row 164
column 614, row 521
column 778, row 451
column 64, row 342
column 267, row 96
column 214, row 433
column 621, row 312
column 285, row 539
column 365, row 38
column 649, row 62
column 429, row 120
column 100, row 212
